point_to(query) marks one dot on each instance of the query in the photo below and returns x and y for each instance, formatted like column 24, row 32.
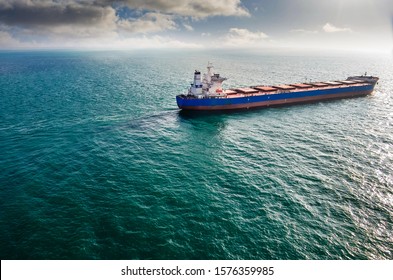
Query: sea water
column 97, row 162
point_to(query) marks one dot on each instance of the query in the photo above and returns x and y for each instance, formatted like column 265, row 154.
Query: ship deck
column 302, row 87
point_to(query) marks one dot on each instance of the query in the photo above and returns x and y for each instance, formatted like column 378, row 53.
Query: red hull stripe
column 279, row 102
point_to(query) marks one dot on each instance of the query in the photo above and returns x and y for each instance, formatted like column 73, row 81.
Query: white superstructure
column 210, row 86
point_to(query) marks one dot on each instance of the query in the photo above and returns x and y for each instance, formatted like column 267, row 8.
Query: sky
column 359, row 25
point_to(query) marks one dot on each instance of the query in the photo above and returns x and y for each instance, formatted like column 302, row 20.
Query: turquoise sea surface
column 97, row 162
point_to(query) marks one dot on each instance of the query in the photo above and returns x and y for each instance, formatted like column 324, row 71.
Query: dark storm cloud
column 52, row 13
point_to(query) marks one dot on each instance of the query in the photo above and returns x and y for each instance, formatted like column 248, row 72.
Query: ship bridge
column 210, row 86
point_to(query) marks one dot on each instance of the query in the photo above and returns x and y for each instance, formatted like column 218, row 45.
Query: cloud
column 148, row 23
column 330, row 28
column 84, row 12
column 57, row 19
column 139, row 42
column 8, row 41
column 240, row 37
column 135, row 42
column 190, row 8
column 33, row 13
column 53, row 21
column 244, row 36
column 304, row 31
column 188, row 27
column 152, row 42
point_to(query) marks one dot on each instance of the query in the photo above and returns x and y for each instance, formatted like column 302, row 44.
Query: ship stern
column 180, row 99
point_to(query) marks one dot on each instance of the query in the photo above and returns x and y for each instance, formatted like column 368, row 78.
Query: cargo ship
column 208, row 94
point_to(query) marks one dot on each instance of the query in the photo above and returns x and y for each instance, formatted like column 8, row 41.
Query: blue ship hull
column 186, row 102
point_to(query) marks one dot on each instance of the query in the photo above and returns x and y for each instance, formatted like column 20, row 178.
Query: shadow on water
column 167, row 117
column 213, row 118
column 219, row 113
column 218, row 117
column 140, row 122
column 180, row 115
column 172, row 122
column 225, row 115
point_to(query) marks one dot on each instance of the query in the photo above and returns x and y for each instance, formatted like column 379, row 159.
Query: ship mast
column 209, row 73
